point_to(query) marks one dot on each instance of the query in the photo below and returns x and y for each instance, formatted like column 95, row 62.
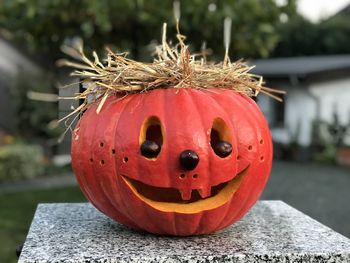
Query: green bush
column 327, row 155
column 20, row 161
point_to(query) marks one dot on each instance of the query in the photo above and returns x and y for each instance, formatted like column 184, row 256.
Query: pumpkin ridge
column 92, row 178
column 114, row 181
column 251, row 122
column 233, row 217
column 167, row 116
column 168, row 217
column 213, row 96
column 100, row 125
column 90, row 173
column 201, row 223
column 200, row 117
column 76, row 148
column 110, row 189
column 123, row 203
column 173, row 217
column 251, row 119
column 214, row 100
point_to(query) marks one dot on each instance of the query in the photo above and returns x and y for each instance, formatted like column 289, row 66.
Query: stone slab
column 271, row 232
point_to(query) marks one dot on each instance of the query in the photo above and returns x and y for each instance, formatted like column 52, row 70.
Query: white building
column 317, row 87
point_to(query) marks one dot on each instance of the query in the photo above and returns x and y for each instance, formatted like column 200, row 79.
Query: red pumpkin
column 173, row 161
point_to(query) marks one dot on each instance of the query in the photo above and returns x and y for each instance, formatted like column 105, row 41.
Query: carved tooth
column 185, row 194
column 205, row 192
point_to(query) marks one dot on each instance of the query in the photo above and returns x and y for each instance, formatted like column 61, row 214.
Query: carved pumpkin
column 173, row 161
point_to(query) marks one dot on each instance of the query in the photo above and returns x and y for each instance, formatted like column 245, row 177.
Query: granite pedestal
column 271, row 232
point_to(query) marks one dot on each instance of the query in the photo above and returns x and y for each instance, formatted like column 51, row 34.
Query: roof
column 300, row 66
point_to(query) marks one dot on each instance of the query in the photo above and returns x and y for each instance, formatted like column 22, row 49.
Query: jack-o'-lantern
column 172, row 147
column 170, row 161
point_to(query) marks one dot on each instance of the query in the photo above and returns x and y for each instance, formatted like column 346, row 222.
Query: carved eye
column 151, row 137
column 219, row 138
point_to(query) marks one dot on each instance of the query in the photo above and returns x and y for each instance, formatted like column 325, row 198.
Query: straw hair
column 173, row 67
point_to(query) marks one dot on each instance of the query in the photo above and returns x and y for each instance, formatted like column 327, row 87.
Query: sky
column 315, row 10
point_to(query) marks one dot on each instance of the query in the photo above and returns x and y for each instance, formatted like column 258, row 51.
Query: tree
column 300, row 37
column 42, row 26
column 335, row 34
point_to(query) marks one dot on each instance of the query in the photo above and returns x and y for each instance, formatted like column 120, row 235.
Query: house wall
column 334, row 96
column 300, row 112
column 266, row 107
column 306, row 103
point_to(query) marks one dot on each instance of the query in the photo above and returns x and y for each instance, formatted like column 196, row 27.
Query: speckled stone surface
column 271, row 232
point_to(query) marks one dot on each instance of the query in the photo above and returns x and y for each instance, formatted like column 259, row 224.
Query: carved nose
column 189, row 160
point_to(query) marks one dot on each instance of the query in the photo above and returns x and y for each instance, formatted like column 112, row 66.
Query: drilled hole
column 126, row 159
column 238, row 157
column 182, row 176
column 261, row 141
column 195, row 176
column 102, row 162
column 250, row 147
column 91, row 160
column 101, row 144
column 261, row 158
column 113, row 151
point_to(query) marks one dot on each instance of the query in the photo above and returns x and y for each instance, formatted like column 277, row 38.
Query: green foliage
column 33, row 117
column 42, row 26
column 300, row 37
column 17, row 210
column 131, row 25
column 20, row 161
column 327, row 155
column 328, row 137
column 335, row 34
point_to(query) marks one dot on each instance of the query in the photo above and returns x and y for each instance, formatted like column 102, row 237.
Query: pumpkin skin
column 110, row 168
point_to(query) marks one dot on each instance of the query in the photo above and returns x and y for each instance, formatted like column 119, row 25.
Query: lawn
column 16, row 213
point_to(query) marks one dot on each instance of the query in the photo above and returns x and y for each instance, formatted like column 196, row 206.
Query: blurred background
column 302, row 47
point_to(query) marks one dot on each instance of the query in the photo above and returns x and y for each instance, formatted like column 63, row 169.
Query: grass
column 16, row 213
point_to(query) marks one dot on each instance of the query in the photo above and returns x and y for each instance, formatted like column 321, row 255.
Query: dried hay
column 173, row 67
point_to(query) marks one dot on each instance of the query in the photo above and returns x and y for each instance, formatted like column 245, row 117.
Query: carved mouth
column 174, row 200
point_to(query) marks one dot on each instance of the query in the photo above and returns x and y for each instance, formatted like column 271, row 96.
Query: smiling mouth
column 175, row 200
